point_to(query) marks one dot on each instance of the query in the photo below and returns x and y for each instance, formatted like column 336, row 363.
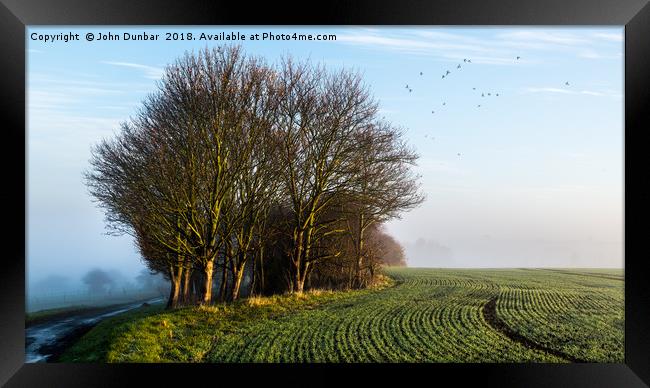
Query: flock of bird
column 483, row 94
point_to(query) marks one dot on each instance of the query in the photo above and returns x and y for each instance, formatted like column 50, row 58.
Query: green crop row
column 429, row 315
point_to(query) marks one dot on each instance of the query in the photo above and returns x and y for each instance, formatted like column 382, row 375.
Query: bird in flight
column 497, row 94
column 407, row 86
column 479, row 106
column 465, row 60
column 458, row 67
column 473, row 88
column 489, row 94
column 420, row 73
column 469, row 61
column 443, row 76
column 482, row 94
column 448, row 71
column 567, row 83
column 458, row 154
column 433, row 112
column 444, row 103
column 410, row 90
column 518, row 58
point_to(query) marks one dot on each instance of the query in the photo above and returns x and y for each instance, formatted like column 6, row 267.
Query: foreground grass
column 154, row 334
column 429, row 315
column 95, row 346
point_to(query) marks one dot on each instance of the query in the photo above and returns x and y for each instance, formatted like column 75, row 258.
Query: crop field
column 427, row 315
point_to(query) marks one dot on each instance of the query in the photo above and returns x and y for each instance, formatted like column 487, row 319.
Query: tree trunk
column 299, row 285
column 238, row 274
column 197, row 281
column 359, row 253
column 253, row 287
column 207, row 284
column 296, row 262
column 303, row 263
column 300, row 280
column 187, row 285
column 174, row 292
column 172, row 301
column 261, row 270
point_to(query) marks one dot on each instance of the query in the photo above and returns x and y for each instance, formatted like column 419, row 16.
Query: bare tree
column 383, row 185
column 386, row 250
column 169, row 172
column 98, row 281
column 319, row 113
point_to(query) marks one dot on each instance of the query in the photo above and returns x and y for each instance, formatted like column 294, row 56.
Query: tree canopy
column 235, row 166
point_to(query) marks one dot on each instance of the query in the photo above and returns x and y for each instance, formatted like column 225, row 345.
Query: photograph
column 325, row 194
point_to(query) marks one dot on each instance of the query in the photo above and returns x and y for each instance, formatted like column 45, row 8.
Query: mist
column 575, row 227
column 97, row 286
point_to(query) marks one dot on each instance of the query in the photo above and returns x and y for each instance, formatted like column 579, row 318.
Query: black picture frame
column 15, row 15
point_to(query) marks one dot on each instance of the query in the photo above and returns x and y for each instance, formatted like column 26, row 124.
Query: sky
column 531, row 178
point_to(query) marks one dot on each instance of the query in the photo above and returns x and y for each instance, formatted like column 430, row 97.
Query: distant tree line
column 234, row 168
column 99, row 281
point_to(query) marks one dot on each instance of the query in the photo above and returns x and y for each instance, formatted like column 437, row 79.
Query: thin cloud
column 48, row 124
column 113, row 107
column 590, row 93
column 67, row 81
column 150, row 72
column 66, row 97
column 549, row 90
column 602, row 94
column 42, row 99
column 404, row 44
column 574, row 92
column 591, row 54
column 610, row 37
column 445, row 46
column 500, row 49
column 556, row 38
column 587, row 46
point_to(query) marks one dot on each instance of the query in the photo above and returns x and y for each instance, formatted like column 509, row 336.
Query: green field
column 423, row 315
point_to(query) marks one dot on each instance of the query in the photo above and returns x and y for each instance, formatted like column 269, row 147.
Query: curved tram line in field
column 445, row 316
column 490, row 315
